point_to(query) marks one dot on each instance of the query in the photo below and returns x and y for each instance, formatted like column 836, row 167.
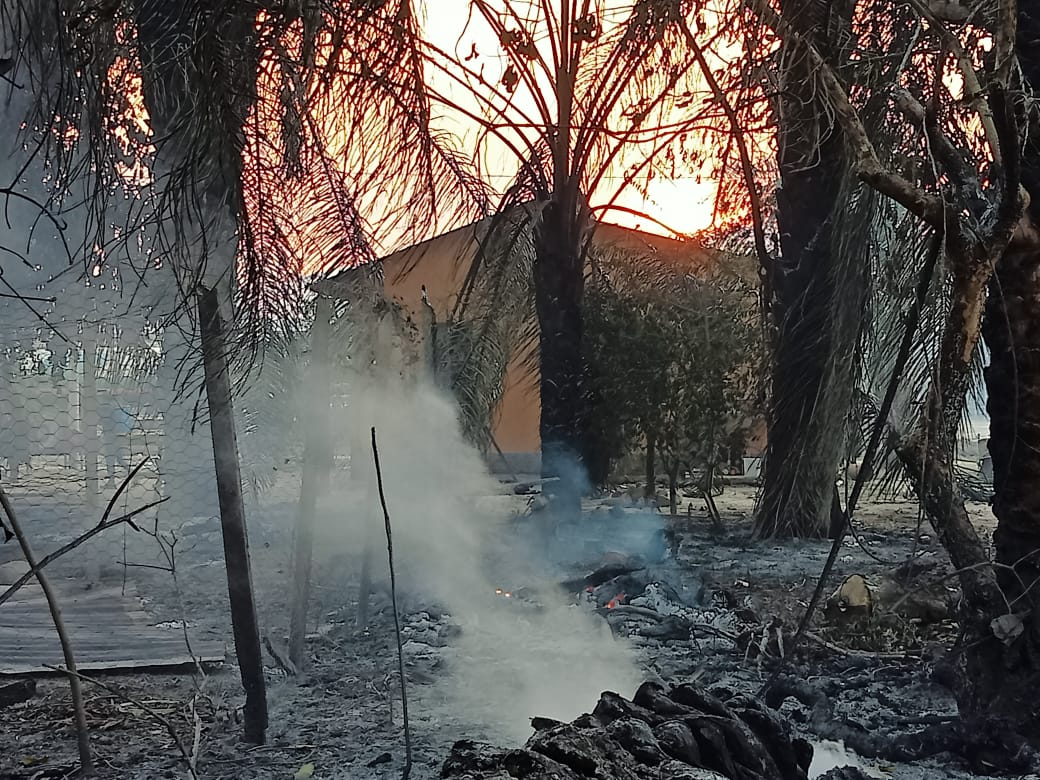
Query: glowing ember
column 616, row 601
column 507, row 594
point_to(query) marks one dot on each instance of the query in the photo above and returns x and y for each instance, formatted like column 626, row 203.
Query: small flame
column 506, row 593
column 616, row 601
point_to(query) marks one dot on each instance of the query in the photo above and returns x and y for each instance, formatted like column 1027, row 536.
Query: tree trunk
column 673, row 489
column 651, row 466
column 232, row 518
column 1011, row 330
column 808, row 403
column 559, row 283
column 316, row 461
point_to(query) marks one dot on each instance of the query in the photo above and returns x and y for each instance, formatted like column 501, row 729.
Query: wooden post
column 232, row 516
column 88, row 413
column 316, row 461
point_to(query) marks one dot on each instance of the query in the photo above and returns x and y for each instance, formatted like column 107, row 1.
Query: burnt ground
column 344, row 718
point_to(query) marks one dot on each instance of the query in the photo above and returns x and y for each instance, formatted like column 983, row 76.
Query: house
column 435, row 271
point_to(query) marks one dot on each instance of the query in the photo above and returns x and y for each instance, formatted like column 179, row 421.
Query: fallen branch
column 86, row 761
column 397, row 619
column 149, row 711
column 906, row 655
column 284, row 663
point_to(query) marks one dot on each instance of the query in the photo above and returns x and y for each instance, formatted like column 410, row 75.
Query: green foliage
column 670, row 357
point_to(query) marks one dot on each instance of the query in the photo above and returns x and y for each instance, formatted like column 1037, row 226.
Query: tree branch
column 867, row 165
column 82, row 732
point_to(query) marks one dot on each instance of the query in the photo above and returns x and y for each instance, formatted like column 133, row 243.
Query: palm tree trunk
column 559, row 285
column 805, row 421
column 1011, row 330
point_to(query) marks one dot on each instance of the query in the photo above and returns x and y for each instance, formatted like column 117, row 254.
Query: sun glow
column 680, row 200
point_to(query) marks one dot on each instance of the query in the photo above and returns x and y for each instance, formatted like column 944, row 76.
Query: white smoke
column 511, row 661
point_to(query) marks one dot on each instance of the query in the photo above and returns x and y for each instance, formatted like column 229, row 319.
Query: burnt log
column 684, row 732
column 17, row 692
column 844, row 773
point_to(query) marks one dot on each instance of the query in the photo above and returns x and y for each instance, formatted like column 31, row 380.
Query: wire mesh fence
column 102, row 418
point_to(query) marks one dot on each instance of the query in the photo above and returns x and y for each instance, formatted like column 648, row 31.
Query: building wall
column 440, row 265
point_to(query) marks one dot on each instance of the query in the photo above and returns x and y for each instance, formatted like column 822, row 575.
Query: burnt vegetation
column 202, row 193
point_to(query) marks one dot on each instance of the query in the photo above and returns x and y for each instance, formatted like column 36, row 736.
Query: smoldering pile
column 659, row 603
column 681, row 732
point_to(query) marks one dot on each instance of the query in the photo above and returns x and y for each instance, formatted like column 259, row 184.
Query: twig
column 79, row 540
column 196, row 742
column 397, row 619
column 82, row 733
column 860, row 653
column 149, row 711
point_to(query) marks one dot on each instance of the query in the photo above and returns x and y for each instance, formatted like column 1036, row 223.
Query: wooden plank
column 39, row 616
column 109, row 628
column 31, row 594
column 52, row 655
column 93, row 644
column 87, row 666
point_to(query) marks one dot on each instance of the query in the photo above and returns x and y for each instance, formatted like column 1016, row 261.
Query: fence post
column 232, row 516
column 316, row 462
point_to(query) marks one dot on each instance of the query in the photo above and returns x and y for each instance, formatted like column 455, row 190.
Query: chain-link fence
column 103, row 418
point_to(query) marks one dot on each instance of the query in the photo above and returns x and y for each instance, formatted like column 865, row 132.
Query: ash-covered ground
column 542, row 640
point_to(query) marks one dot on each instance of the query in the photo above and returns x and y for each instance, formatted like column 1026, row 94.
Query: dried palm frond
column 272, row 140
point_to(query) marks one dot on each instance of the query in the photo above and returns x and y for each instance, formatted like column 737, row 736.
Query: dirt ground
column 344, row 720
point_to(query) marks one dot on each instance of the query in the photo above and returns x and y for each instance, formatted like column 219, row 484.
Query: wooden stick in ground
column 232, row 517
column 86, row 760
column 397, row 618
column 316, row 457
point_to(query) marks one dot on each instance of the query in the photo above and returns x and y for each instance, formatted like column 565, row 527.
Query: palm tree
column 811, row 362
column 968, row 194
column 587, row 89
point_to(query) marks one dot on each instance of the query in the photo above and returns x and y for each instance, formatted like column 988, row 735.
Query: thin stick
column 397, row 619
column 904, row 656
column 86, row 761
column 149, row 711
column 79, row 540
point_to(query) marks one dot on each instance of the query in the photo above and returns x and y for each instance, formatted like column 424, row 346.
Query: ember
column 504, row 593
column 618, row 600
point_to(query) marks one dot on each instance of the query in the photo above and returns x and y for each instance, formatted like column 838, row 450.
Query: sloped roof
column 686, row 255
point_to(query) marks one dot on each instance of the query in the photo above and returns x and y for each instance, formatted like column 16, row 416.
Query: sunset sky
column 684, row 203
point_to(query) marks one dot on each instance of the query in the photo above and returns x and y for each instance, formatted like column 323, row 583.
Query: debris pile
column 657, row 603
column 682, row 732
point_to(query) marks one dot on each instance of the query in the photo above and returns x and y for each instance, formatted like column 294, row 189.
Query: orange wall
column 441, row 265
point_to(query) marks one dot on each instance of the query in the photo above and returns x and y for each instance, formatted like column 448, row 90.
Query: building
column 439, row 267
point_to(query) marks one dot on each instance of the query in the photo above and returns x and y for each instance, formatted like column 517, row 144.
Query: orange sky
column 683, row 204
